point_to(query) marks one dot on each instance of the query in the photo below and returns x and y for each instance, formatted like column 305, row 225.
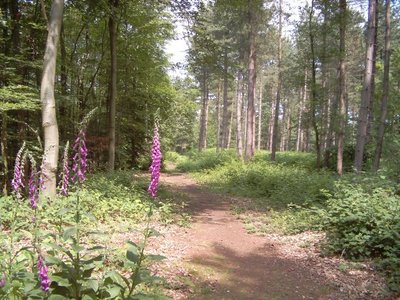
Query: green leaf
column 69, row 232
column 57, row 297
column 113, row 291
column 92, row 284
column 61, row 281
column 132, row 256
column 154, row 257
column 153, row 232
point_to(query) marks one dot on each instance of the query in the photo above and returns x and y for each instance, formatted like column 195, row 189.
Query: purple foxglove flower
column 43, row 274
column 17, row 181
column 3, row 281
column 155, row 164
column 80, row 158
column 65, row 173
column 33, row 188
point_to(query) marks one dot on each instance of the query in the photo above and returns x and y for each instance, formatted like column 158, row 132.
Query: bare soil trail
column 229, row 263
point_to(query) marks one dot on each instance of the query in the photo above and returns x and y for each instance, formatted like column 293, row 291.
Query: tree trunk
column 204, row 115
column 300, row 130
column 385, row 95
column 259, row 134
column 289, row 130
column 218, row 109
column 342, row 87
column 271, row 121
column 49, row 120
column 278, row 92
column 313, row 99
column 367, row 88
column 226, row 109
column 283, row 128
column 239, row 100
column 112, row 27
column 250, row 146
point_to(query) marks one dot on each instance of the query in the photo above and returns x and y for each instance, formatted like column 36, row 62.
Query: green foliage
column 173, row 157
column 363, row 220
column 205, row 160
column 65, row 232
column 274, row 184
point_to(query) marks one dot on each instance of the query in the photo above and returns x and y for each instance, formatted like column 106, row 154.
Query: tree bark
column 239, row 100
column 259, row 134
column 204, row 115
column 112, row 27
column 313, row 99
column 226, row 109
column 300, row 129
column 385, row 95
column 367, row 88
column 342, row 87
column 250, row 145
column 279, row 88
column 218, row 110
column 49, row 120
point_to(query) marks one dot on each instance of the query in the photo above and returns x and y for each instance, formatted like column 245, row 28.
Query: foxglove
column 33, row 184
column 65, row 174
column 17, row 181
column 43, row 274
column 155, row 167
column 3, row 281
column 80, row 158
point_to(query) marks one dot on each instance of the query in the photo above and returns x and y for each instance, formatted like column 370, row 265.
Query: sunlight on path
column 229, row 263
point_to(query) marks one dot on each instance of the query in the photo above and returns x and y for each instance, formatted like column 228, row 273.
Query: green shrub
column 205, row 160
column 362, row 222
column 173, row 157
column 274, row 184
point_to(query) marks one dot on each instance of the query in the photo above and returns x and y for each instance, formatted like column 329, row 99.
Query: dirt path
column 228, row 263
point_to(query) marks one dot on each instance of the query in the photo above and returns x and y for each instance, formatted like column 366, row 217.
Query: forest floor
column 216, row 258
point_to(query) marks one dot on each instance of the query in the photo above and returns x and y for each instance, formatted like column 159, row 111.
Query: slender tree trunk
column 226, row 109
column 259, row 134
column 230, row 128
column 250, row 146
column 289, row 130
column 49, row 120
column 204, row 115
column 239, row 100
column 313, row 99
column 385, row 95
column 218, row 109
column 342, row 86
column 279, row 90
column 371, row 116
column 300, row 130
column 367, row 88
column 283, row 129
column 112, row 27
column 15, row 29
column 271, row 120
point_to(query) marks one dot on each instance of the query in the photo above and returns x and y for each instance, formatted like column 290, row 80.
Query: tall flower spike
column 16, row 182
column 43, row 274
column 3, row 280
column 80, row 158
column 65, row 173
column 33, row 184
column 155, row 167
